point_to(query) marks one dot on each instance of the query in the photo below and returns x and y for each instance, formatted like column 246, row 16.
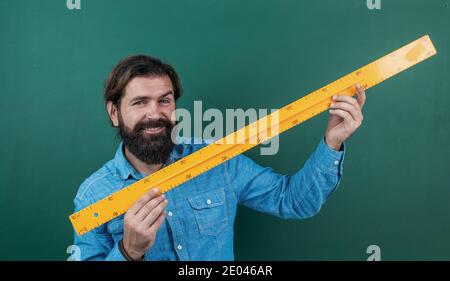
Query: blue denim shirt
column 201, row 212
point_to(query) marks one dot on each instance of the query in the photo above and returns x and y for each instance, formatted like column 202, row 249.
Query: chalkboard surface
column 395, row 192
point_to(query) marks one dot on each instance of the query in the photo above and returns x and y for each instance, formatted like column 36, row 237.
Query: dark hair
column 135, row 66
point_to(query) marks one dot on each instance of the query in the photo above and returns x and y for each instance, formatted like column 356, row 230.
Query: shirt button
column 170, row 214
column 179, row 247
column 336, row 162
column 208, row 202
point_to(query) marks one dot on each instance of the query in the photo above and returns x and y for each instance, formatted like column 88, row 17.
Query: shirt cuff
column 328, row 159
column 115, row 254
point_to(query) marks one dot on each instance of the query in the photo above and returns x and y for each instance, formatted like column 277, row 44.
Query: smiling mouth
column 154, row 130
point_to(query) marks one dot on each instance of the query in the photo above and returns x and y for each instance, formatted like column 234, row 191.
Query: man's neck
column 139, row 165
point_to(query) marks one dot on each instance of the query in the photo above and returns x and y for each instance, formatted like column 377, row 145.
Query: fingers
column 159, row 221
column 360, row 95
column 354, row 112
column 151, row 216
column 142, row 201
column 350, row 105
column 347, row 99
column 344, row 115
column 152, row 206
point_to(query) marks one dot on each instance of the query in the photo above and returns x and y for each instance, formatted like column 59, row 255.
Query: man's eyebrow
column 140, row 98
column 166, row 94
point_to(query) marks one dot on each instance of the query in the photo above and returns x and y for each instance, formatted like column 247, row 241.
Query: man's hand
column 141, row 223
column 345, row 117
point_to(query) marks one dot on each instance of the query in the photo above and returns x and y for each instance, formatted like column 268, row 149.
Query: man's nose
column 153, row 111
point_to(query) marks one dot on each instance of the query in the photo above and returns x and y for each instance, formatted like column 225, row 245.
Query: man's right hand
column 141, row 223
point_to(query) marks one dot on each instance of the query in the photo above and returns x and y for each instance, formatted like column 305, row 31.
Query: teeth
column 153, row 129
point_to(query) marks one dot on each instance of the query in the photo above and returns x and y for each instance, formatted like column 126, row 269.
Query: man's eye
column 165, row 101
column 138, row 103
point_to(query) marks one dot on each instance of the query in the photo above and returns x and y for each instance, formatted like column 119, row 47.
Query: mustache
column 153, row 123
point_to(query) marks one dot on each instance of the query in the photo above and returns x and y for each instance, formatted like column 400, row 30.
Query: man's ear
column 113, row 113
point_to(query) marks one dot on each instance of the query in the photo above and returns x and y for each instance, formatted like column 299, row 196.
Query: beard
column 149, row 148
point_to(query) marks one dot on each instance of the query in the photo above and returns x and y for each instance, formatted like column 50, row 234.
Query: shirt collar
column 124, row 168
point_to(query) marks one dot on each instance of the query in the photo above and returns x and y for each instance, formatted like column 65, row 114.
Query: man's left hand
column 345, row 117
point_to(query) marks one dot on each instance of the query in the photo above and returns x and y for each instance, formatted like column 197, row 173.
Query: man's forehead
column 152, row 86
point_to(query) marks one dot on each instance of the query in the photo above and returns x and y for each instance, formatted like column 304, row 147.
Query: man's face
column 144, row 118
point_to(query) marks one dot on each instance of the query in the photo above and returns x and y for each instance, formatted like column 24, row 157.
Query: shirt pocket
column 210, row 211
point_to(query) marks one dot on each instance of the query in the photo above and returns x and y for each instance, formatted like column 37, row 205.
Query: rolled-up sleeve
column 298, row 196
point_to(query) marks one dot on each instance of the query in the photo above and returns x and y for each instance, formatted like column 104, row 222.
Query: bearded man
column 195, row 221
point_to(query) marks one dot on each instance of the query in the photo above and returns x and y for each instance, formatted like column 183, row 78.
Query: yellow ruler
column 247, row 137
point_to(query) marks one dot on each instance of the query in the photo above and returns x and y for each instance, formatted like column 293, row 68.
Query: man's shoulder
column 97, row 185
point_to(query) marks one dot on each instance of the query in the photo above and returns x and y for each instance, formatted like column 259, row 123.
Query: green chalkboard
column 395, row 192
